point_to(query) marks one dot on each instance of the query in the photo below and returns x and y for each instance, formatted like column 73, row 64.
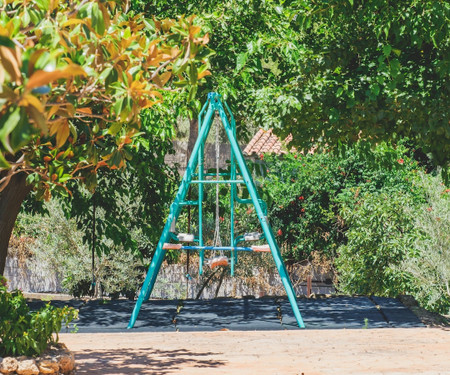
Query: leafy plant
column 305, row 193
column 59, row 248
column 74, row 79
column 430, row 270
column 330, row 72
column 28, row 333
column 380, row 237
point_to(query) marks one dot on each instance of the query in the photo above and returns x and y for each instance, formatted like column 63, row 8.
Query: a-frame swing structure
column 195, row 175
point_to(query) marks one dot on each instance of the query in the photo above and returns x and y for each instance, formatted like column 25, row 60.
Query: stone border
column 57, row 359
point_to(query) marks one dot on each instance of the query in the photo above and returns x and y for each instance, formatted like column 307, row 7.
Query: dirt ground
column 310, row 352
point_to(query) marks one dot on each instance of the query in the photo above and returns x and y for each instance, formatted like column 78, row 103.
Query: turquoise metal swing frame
column 213, row 106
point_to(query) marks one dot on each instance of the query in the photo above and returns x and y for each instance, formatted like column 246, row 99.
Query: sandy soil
column 311, row 352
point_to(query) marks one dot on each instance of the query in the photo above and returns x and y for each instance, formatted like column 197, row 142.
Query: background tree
column 332, row 72
column 74, row 78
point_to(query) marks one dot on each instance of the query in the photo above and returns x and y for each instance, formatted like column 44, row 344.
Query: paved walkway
column 256, row 336
column 398, row 351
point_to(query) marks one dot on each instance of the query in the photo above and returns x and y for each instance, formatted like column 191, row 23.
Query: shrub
column 28, row 333
column 380, row 237
column 430, row 270
column 305, row 193
column 59, row 247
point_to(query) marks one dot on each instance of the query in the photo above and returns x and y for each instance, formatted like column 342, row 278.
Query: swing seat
column 261, row 249
column 172, row 246
column 185, row 237
column 218, row 261
column 252, row 236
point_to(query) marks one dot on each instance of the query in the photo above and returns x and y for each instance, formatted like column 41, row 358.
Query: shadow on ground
column 143, row 361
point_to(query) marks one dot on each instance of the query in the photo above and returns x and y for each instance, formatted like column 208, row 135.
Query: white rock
column 48, row 366
column 27, row 367
column 8, row 365
column 66, row 363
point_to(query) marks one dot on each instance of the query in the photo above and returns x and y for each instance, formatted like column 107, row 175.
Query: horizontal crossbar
column 178, row 246
column 217, row 181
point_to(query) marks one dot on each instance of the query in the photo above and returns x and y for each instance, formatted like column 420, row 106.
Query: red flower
column 302, row 210
column 295, row 156
column 221, row 218
column 400, row 161
column 261, row 156
column 280, row 232
column 429, row 209
column 300, row 198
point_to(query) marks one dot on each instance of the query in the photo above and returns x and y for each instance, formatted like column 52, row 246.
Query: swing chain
column 217, row 241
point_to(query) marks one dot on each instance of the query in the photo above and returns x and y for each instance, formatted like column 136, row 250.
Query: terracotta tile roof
column 264, row 141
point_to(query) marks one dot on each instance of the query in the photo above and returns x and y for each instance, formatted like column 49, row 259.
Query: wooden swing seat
column 218, row 261
column 172, row 246
column 261, row 248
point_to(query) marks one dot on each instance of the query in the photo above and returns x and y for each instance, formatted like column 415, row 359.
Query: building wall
column 179, row 159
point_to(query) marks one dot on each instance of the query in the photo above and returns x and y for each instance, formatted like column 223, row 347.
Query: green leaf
column 43, row 4
column 192, row 93
column 351, row 2
column 240, row 61
column 181, row 83
column 98, row 23
column 22, row 133
column 115, row 128
column 26, row 18
column 5, row 41
column 193, row 74
column 103, row 75
column 387, row 50
column 8, row 122
column 386, row 29
column 3, row 161
column 375, row 89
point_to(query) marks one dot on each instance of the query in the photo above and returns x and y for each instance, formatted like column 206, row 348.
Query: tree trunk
column 10, row 201
column 193, row 134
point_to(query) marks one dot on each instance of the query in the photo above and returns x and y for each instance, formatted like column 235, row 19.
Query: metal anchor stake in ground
column 195, row 175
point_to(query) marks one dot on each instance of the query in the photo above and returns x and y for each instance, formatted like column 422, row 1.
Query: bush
column 305, row 193
column 430, row 270
column 380, row 237
column 58, row 247
column 28, row 333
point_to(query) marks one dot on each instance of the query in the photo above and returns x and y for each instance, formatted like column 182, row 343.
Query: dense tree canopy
column 77, row 76
column 74, row 77
column 332, row 72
